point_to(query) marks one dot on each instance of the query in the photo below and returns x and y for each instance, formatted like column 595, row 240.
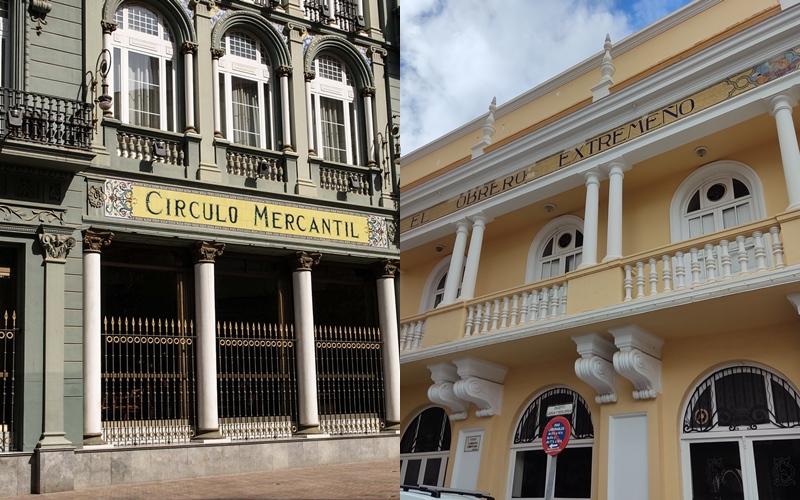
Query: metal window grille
column 8, row 335
column 742, row 396
column 43, row 119
column 256, row 380
column 349, row 379
column 428, row 432
column 346, row 14
column 313, row 10
column 533, row 421
column 148, row 372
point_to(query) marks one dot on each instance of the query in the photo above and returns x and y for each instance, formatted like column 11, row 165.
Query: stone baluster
column 533, row 312
column 403, row 337
column 514, row 310
column 711, row 264
column 628, row 284
column 504, row 314
column 666, row 274
column 523, row 315
column 418, row 330
column 653, row 277
column 741, row 254
column 761, row 254
column 487, row 316
column 695, row 266
column 564, row 298
column 639, row 280
column 544, row 303
column 470, row 317
column 777, row 247
column 555, row 301
column 495, row 314
column 725, row 258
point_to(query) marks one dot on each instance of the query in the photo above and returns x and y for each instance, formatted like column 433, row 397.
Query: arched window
column 145, row 65
column 741, row 436
column 531, row 466
column 717, row 196
column 335, row 110
column 425, row 448
column 433, row 294
column 556, row 250
column 245, row 83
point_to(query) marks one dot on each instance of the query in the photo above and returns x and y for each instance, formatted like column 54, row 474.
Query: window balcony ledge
column 347, row 183
column 255, row 168
column 143, row 149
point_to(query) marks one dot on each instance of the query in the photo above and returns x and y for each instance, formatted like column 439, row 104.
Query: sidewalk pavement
column 361, row 480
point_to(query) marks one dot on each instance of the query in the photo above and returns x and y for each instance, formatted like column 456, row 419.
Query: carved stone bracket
column 639, row 359
column 203, row 251
column 595, row 366
column 304, row 261
column 94, row 241
column 295, row 31
column 56, row 246
column 387, row 268
column 481, row 383
column 444, row 375
column 38, row 10
column 374, row 49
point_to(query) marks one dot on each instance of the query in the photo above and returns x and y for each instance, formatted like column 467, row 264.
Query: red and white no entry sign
column 556, row 435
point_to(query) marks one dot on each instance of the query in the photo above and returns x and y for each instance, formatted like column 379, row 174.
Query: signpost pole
column 550, row 483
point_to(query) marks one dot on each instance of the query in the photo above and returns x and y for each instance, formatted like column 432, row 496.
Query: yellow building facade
column 619, row 246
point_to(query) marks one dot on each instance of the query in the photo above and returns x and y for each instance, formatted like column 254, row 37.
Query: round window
column 564, row 240
column 715, row 192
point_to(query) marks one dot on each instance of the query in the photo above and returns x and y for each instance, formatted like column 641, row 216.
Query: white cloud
column 458, row 54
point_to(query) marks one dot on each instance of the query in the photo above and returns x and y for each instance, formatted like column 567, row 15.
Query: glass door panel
column 716, row 471
column 776, row 473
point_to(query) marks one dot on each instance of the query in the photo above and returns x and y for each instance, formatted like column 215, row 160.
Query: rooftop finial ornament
column 488, row 131
column 607, row 71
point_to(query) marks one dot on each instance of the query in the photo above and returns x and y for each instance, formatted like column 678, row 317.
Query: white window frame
column 537, row 446
column 425, row 456
column 233, row 66
column 557, row 226
column 322, row 87
column 126, row 41
column 704, row 177
column 744, row 437
column 430, row 292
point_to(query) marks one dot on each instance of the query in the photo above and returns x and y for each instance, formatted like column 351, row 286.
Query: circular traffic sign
column 556, row 435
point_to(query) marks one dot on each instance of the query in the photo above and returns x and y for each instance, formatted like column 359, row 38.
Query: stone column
column 473, row 257
column 456, row 263
column 55, row 247
column 215, row 55
column 189, row 49
column 780, row 107
column 93, row 243
column 205, row 317
column 367, row 93
column 302, row 263
column 590, row 217
column 616, row 171
column 286, row 111
column 390, row 349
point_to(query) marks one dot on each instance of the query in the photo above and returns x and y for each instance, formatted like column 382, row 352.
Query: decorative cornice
column 188, row 48
column 108, row 26
column 444, row 375
column 595, row 366
column 304, row 261
column 638, row 359
column 56, row 246
column 94, row 241
column 284, row 70
column 387, row 268
column 203, row 251
column 481, row 383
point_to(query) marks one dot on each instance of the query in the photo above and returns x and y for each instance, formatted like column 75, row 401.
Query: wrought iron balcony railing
column 345, row 13
column 44, row 119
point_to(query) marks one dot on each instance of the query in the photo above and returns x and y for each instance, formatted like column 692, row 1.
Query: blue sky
column 458, row 54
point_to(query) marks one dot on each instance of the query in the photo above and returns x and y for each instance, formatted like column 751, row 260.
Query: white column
column 310, row 75
column 217, row 104
column 456, row 263
column 93, row 243
column 390, row 350
column 306, row 352
column 205, row 318
column 332, row 7
column 473, row 257
column 590, row 217
column 616, row 169
column 780, row 107
column 368, row 92
column 284, row 72
column 189, row 49
column 360, row 7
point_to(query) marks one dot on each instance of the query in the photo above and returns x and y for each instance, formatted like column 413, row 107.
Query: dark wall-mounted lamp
column 104, row 100
column 160, row 149
column 392, row 129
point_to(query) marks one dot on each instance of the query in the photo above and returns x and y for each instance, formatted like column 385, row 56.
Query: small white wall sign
column 472, row 443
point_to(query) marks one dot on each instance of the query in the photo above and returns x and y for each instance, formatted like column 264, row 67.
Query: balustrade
column 44, row 119
column 498, row 313
column 148, row 373
column 343, row 181
column 701, row 264
column 254, row 166
column 411, row 334
column 256, row 384
column 350, row 387
column 138, row 144
column 8, row 336
column 345, row 13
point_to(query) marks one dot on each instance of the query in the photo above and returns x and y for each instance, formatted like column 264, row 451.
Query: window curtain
column 334, row 144
column 144, row 90
column 246, row 121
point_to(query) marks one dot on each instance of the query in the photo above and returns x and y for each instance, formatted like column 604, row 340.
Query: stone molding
column 444, row 375
column 94, row 241
column 481, row 383
column 304, row 261
column 595, row 366
column 203, row 251
column 56, row 246
column 639, row 359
